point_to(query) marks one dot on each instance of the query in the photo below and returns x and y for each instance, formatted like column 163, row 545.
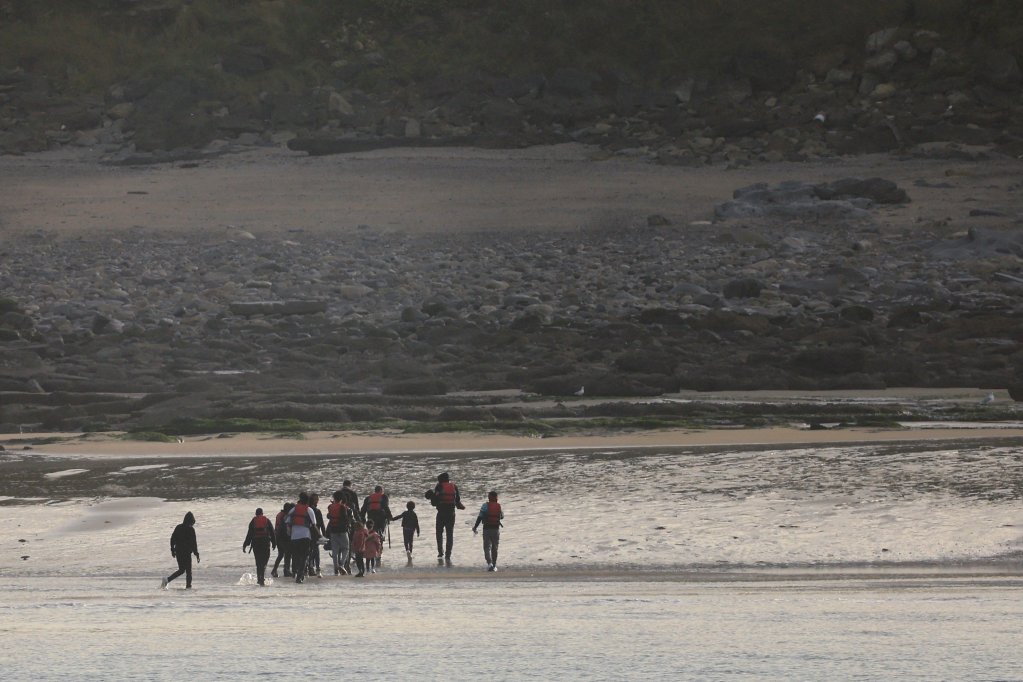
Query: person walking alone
column 490, row 516
column 182, row 546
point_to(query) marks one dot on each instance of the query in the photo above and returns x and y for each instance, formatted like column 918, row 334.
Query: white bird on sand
column 581, row 391
column 988, row 399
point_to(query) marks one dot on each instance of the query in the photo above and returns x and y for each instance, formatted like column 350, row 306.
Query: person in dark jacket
column 283, row 542
column 409, row 526
column 446, row 498
column 182, row 547
column 351, row 499
column 261, row 538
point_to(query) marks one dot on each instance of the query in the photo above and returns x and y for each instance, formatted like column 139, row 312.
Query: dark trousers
column 185, row 567
column 261, row 551
column 360, row 563
column 410, row 534
column 299, row 554
column 491, row 539
column 445, row 521
column 284, row 554
column 313, row 560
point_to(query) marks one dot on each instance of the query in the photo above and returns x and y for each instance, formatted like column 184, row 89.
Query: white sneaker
column 163, row 584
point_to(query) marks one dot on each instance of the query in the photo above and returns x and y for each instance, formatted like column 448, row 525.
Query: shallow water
column 98, row 629
column 619, row 509
column 896, row 561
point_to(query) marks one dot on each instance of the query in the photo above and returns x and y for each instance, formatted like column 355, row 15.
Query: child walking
column 373, row 548
column 359, row 546
column 409, row 526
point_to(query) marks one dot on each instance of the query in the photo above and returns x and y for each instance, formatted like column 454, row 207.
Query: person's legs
column 449, row 524
column 314, row 558
column 487, row 544
column 383, row 541
column 282, row 555
column 348, row 554
column 338, row 550
column 188, row 570
column 409, row 534
column 299, row 554
column 261, row 551
column 359, row 564
column 184, row 566
column 346, row 561
column 440, row 535
column 491, row 540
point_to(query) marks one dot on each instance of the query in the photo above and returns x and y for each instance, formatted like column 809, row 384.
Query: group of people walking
column 349, row 531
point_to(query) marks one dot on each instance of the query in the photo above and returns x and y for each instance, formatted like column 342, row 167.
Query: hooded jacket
column 182, row 541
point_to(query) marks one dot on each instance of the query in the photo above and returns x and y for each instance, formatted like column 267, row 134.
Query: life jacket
column 301, row 511
column 376, row 502
column 337, row 515
column 493, row 516
column 260, row 528
column 446, row 494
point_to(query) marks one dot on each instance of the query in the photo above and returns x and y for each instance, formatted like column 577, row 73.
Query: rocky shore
column 793, row 285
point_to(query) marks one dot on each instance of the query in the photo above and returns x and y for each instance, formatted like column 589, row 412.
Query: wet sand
column 383, row 442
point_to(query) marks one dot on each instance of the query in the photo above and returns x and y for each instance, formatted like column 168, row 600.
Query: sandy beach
column 384, row 442
column 563, row 187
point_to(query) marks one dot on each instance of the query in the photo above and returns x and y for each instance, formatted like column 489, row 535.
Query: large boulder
column 877, row 190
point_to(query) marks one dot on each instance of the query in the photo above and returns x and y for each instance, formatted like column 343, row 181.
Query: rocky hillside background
column 795, row 286
column 683, row 81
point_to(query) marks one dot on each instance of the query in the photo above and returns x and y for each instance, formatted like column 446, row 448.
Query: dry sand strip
column 362, row 443
column 452, row 190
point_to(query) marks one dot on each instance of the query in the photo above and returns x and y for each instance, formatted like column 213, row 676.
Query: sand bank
column 383, row 442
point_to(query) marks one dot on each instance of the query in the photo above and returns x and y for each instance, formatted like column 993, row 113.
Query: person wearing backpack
column 490, row 516
column 261, row 538
column 339, row 522
column 446, row 498
column 376, row 508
